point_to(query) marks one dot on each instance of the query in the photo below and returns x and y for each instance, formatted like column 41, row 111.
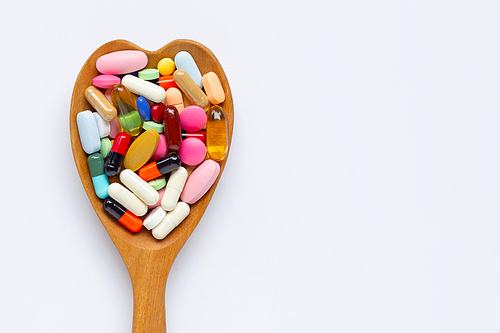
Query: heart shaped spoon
column 148, row 260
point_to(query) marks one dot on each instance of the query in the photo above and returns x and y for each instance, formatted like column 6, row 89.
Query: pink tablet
column 121, row 62
column 105, row 81
column 193, row 118
column 192, row 151
column 200, row 181
column 161, row 149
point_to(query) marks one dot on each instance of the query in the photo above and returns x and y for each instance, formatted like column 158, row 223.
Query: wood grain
column 148, row 260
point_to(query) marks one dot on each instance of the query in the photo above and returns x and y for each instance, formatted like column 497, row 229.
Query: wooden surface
column 148, row 260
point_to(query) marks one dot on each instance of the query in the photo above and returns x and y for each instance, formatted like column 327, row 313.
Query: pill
column 143, row 108
column 171, row 220
column 153, row 125
column 149, row 74
column 100, row 103
column 167, row 82
column 115, row 158
column 217, row 142
column 173, row 96
column 141, row 150
column 115, row 128
column 191, row 90
column 121, row 62
column 193, row 118
column 157, row 110
column 201, row 135
column 105, row 147
column 192, row 151
column 174, row 188
column 88, row 131
column 139, row 187
column 102, row 125
column 166, row 66
column 127, row 199
column 161, row 149
column 105, row 81
column 154, row 218
column 200, row 181
column 183, row 60
column 160, row 193
column 130, row 120
column 125, row 217
column 160, row 167
column 172, row 128
column 158, row 183
column 99, row 179
column 213, row 88
column 144, row 88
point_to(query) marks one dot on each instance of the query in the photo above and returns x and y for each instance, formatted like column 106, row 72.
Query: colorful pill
column 153, row 125
column 162, row 148
column 158, row 183
column 213, row 88
column 149, row 74
column 144, row 88
column 159, row 168
column 192, row 151
column 99, row 179
column 115, row 128
column 125, row 217
column 172, row 128
column 100, row 103
column 166, row 66
column 157, row 110
column 183, row 60
column 127, row 199
column 217, row 142
column 105, row 147
column 103, row 125
column 201, row 135
column 191, row 89
column 121, row 62
column 174, row 188
column 105, row 81
column 193, row 118
column 173, row 97
column 88, row 131
column 154, row 218
column 141, row 150
column 139, row 187
column 200, row 181
column 129, row 118
column 167, row 82
column 115, row 158
column 171, row 220
column 143, row 108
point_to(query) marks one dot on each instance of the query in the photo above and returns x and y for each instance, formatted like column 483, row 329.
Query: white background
column 361, row 191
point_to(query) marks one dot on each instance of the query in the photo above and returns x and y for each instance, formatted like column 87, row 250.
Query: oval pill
column 166, row 66
column 141, row 150
column 217, row 135
column 105, row 81
column 193, row 118
column 192, row 151
column 144, row 88
column 171, row 220
column 88, row 132
column 191, row 90
column 172, row 128
column 143, row 108
column 174, row 188
column 184, row 60
column 200, row 181
column 127, row 199
column 102, row 124
column 130, row 120
column 173, row 96
column 157, row 110
column 153, row 125
column 121, row 62
column 154, row 218
column 105, row 147
column 213, row 88
column 139, row 187
column 100, row 103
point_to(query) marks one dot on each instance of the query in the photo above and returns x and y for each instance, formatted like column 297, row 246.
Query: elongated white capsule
column 144, row 88
column 127, row 199
column 174, row 188
column 172, row 220
column 139, row 187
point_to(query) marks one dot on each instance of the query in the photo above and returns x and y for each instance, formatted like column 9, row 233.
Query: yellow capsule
column 217, row 133
column 100, row 103
column 191, row 89
column 141, row 150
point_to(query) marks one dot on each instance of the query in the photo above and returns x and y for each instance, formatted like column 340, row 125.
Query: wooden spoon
column 148, row 260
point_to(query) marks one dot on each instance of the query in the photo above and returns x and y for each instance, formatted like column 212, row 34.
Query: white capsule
column 172, row 220
column 139, row 187
column 102, row 124
column 127, row 199
column 144, row 88
column 174, row 188
column 154, row 218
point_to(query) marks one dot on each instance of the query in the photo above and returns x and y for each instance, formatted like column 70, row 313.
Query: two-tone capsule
column 116, row 155
column 99, row 179
column 160, row 167
column 124, row 216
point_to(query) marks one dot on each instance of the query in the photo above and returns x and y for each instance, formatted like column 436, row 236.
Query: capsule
column 174, row 188
column 144, row 88
column 99, row 179
column 191, row 89
column 127, row 199
column 129, row 118
column 116, row 155
column 160, row 167
column 157, row 111
column 217, row 143
column 125, row 217
column 171, row 220
column 139, row 187
column 143, row 108
column 100, row 103
column 172, row 128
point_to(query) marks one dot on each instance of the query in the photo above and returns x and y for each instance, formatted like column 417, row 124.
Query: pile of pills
column 142, row 133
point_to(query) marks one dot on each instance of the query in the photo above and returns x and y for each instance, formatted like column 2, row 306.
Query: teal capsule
column 125, row 103
column 99, row 179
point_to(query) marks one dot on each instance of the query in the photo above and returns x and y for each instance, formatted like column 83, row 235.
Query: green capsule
column 99, row 179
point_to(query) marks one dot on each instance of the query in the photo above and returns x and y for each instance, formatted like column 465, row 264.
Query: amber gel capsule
column 172, row 128
column 129, row 118
column 217, row 133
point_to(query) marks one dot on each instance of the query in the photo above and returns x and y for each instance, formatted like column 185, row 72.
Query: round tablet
column 105, row 81
column 192, row 151
column 162, row 148
column 193, row 118
column 166, row 66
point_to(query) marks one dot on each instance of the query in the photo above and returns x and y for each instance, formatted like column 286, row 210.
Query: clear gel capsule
column 129, row 118
column 217, row 133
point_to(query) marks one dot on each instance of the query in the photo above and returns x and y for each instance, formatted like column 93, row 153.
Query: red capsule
column 114, row 161
column 157, row 112
column 172, row 128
